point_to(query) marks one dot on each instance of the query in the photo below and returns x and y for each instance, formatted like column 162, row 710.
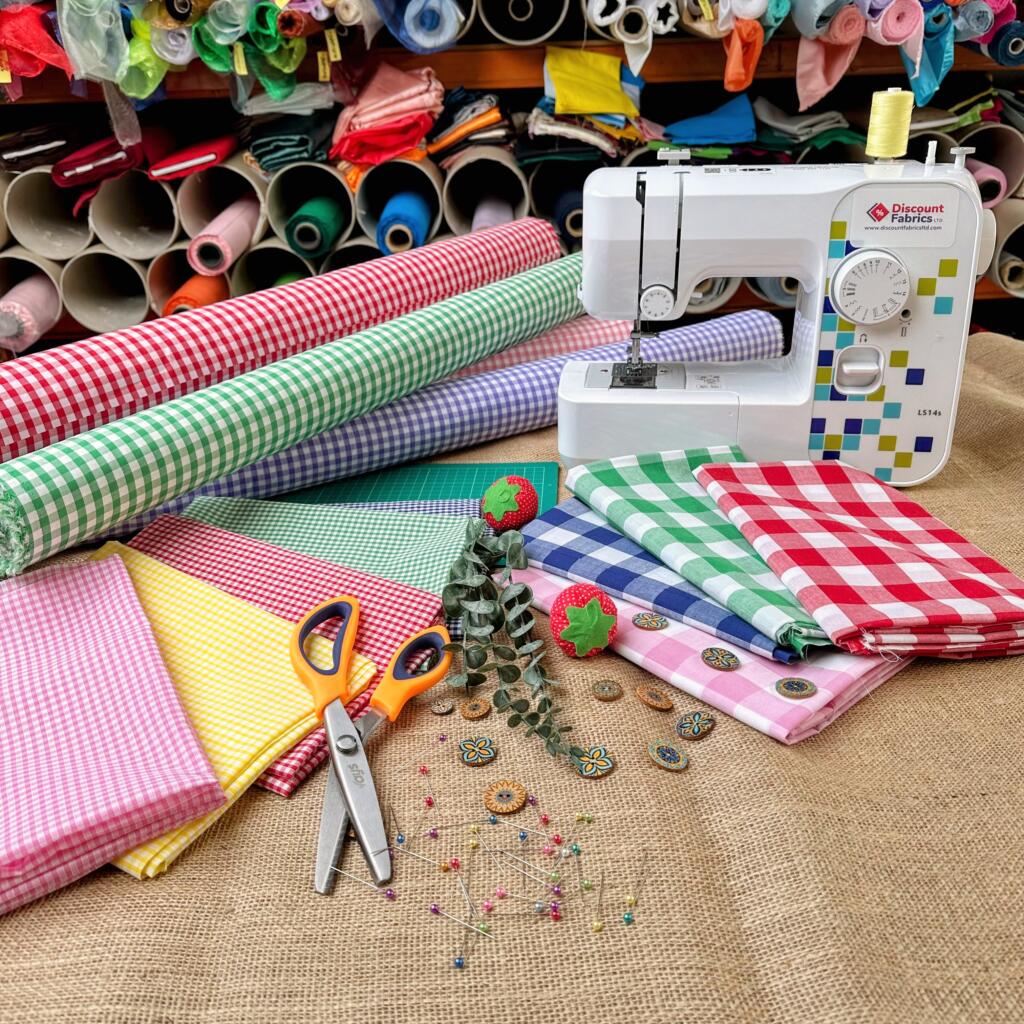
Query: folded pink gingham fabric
column 748, row 692
column 288, row 584
column 96, row 753
column 877, row 571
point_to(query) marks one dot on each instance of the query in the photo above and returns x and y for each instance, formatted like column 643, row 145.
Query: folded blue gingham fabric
column 573, row 541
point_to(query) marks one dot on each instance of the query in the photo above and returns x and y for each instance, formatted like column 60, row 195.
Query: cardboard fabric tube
column 104, row 291
column 265, row 265
column 225, row 238
column 712, row 294
column 522, row 22
column 205, row 194
column 380, row 183
column 295, row 186
column 170, row 272
column 351, row 252
column 917, row 146
column 5, row 234
column 483, row 173
column 135, row 216
column 30, row 303
column 40, row 216
column 600, row 15
column 1000, row 145
column 1007, row 267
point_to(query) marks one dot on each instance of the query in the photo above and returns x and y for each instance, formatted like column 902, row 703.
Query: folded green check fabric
column 408, row 547
column 655, row 500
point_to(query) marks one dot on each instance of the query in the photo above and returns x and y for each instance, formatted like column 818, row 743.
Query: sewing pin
column 597, row 925
column 388, row 894
column 482, row 929
column 633, row 898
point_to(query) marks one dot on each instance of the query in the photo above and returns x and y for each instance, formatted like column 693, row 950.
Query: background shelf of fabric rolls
column 677, row 72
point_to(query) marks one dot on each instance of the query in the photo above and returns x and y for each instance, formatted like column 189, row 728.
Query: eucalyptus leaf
column 479, row 607
column 459, row 682
column 514, row 720
column 520, row 706
column 508, row 674
column 475, row 678
column 522, row 629
column 477, row 632
column 508, row 653
column 532, row 718
column 529, row 648
column 500, row 699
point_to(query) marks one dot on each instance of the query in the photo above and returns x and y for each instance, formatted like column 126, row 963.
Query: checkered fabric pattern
column 748, row 692
column 51, row 395
column 96, row 751
column 76, row 488
column 572, row 541
column 288, row 585
column 879, row 572
column 655, row 500
column 405, row 547
column 456, row 413
column 231, row 667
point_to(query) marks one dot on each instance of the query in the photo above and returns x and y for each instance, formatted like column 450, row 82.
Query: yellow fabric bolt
column 587, row 83
column 230, row 664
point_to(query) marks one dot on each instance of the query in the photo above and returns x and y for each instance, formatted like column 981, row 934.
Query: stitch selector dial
column 870, row 286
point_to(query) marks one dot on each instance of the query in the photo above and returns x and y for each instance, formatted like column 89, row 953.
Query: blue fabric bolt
column 936, row 54
column 404, row 209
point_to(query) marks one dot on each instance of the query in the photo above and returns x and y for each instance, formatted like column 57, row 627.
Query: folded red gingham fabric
column 877, row 571
column 288, row 584
column 48, row 396
column 97, row 754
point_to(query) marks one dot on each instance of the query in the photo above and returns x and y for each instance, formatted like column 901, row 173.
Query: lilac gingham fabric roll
column 455, row 413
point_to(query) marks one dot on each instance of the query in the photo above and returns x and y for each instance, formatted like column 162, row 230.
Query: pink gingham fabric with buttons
column 96, row 753
column 746, row 693
column 289, row 585
column 876, row 570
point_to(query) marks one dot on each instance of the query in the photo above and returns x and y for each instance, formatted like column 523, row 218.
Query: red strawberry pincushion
column 583, row 620
column 509, row 503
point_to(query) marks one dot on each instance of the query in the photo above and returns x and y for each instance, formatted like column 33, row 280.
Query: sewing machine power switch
column 859, row 368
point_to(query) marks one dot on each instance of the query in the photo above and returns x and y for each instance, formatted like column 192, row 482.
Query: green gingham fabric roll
column 72, row 490
column 407, row 547
column 654, row 500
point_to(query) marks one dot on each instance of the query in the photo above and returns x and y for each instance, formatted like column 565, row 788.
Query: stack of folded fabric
column 468, row 119
column 795, row 133
column 280, row 141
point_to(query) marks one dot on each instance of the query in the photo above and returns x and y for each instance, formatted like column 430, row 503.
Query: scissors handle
column 327, row 684
column 399, row 683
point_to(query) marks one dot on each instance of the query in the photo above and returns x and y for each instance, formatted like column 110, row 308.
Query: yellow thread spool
column 889, row 124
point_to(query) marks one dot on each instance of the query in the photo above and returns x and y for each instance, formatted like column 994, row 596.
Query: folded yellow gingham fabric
column 230, row 664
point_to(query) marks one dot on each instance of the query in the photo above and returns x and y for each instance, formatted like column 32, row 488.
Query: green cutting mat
column 432, row 482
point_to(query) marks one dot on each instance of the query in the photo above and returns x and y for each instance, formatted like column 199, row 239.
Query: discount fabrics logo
column 907, row 213
column 878, row 212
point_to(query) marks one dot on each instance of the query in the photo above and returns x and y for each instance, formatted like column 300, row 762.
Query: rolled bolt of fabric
column 225, row 238
column 215, row 55
column 991, row 182
column 971, row 20
column 77, row 386
column 490, row 212
column 901, row 24
column 428, row 25
column 1006, row 45
column 822, row 62
column 464, row 411
column 404, row 223
column 263, row 30
column 568, row 216
column 227, row 20
column 730, row 10
column 712, row 293
column 775, row 14
column 145, row 70
column 694, row 21
column 743, row 48
column 602, row 13
column 93, row 38
column 872, row 9
column 349, row 12
column 1011, row 273
column 936, row 54
column 175, row 45
column 811, row 17
column 198, row 290
column 315, row 226
column 780, row 291
column 633, row 30
column 28, row 311
column 294, row 24
column 1004, row 12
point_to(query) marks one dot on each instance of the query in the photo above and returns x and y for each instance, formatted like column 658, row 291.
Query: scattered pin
column 389, row 894
column 481, row 929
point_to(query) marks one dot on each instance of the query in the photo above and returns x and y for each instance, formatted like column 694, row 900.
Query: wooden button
column 606, row 689
column 654, row 697
column 795, row 688
column 695, row 725
column 594, row 763
column 667, row 755
column 650, row 621
column 505, row 797
column 475, row 708
column 719, row 658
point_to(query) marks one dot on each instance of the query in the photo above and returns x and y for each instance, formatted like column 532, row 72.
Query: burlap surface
column 872, row 874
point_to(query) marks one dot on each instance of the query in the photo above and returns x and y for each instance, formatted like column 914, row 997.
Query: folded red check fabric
column 97, row 754
column 288, row 584
column 878, row 572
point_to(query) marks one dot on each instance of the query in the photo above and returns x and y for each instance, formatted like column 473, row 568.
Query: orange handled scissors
column 351, row 794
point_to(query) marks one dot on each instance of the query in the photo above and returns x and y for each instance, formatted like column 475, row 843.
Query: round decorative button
column 594, row 762
column 475, row 708
column 795, row 688
column 443, row 706
column 719, row 657
column 477, row 751
column 650, row 621
column 667, row 755
column 654, row 697
column 695, row 725
column 505, row 797
column 606, row 689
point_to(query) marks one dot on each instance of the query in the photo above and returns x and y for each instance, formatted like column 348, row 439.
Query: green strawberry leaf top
column 500, row 498
column 589, row 627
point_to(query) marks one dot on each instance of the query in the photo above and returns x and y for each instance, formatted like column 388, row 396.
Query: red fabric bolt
column 25, row 35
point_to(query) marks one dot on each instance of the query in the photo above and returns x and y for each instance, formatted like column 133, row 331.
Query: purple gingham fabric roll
column 468, row 410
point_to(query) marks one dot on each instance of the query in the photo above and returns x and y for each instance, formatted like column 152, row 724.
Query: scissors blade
column 352, row 773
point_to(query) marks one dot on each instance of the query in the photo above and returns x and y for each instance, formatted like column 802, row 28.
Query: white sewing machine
column 886, row 255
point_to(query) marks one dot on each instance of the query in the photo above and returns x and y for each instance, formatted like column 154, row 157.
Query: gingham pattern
column 879, row 572
column 405, row 547
column 288, row 585
column 76, row 488
column 457, row 413
column 51, row 395
column 655, row 500
column 96, row 751
column 572, row 541
column 231, row 667
column 746, row 693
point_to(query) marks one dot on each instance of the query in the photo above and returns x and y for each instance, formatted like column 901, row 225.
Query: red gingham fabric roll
column 48, row 396
column 877, row 571
column 288, row 584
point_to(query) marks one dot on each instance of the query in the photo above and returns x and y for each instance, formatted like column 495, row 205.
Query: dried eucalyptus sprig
column 499, row 641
